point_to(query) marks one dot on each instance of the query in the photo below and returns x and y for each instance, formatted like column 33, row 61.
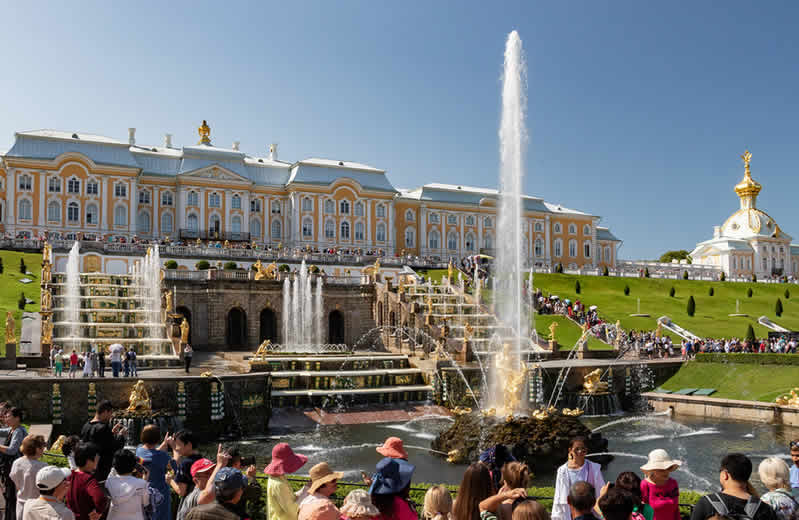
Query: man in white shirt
column 53, row 484
column 117, row 351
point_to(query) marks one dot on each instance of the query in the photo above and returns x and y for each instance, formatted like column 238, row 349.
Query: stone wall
column 712, row 407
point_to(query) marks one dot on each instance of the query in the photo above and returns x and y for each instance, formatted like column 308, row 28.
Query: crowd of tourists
column 774, row 345
column 107, row 481
column 93, row 362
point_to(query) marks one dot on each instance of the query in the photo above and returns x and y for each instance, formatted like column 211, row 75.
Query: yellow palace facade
column 74, row 185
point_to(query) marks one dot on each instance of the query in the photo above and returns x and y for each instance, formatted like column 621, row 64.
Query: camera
column 247, row 461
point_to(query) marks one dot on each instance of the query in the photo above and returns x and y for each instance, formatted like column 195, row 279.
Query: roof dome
column 750, row 222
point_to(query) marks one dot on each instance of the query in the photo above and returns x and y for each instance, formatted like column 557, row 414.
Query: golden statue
column 468, row 331
column 617, row 339
column 47, row 275
column 747, row 158
column 450, row 270
column 429, row 302
column 47, row 251
column 59, row 442
column 205, row 133
column 139, row 398
column 540, row 414
column 372, row 270
column 10, row 326
column 265, row 273
column 47, row 330
column 184, row 331
column 791, row 399
column 168, row 301
column 511, row 372
column 572, row 412
column 552, row 328
column 198, row 241
column 47, row 300
column 263, row 349
column 592, row 383
column 453, row 456
column 659, row 330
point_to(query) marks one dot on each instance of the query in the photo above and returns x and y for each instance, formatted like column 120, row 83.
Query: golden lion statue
column 372, row 270
column 791, row 399
column 263, row 349
column 265, row 273
column 592, row 383
column 139, row 398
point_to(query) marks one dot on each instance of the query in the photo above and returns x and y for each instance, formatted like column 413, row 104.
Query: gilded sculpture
column 791, row 399
column 47, row 300
column 552, row 328
column 47, row 330
column 263, row 349
column 265, row 273
column 450, row 270
column 10, row 326
column 372, row 270
column 592, row 384
column 512, row 375
column 184, row 331
column 139, row 398
column 168, row 301
column 617, row 339
column 47, row 252
column 429, row 302
column 659, row 330
column 47, row 275
column 205, row 133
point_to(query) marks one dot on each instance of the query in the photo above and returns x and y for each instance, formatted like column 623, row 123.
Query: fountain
column 302, row 313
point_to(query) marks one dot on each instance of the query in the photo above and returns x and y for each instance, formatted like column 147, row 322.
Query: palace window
column 193, row 222
column 452, row 241
column 487, row 222
column 25, row 183
column 381, row 211
column 410, row 237
column 358, row 210
column 255, row 205
column 166, row 223
column 25, row 209
column 345, row 231
column 558, row 248
column 488, row 242
column 470, row 220
column 410, row 216
column 237, row 203
column 539, row 227
column 120, row 216
column 91, row 213
column 359, row 230
column 235, row 224
column 275, row 207
column 330, row 230
column 194, row 199
column 167, row 199
column 433, row 240
column 539, row 248
column 469, row 242
column 452, row 219
column 73, row 186
column 307, row 228
column 587, row 249
column 91, row 188
column 214, row 223
column 586, row 229
column 572, row 248
column 557, row 228
column 53, row 211
column 608, row 258
column 434, row 218
column 255, row 228
column 344, row 207
column 381, row 232
column 120, row 190
column 734, row 262
column 330, row 207
column 214, row 200
column 572, row 229
column 54, row 185
column 73, row 213
column 143, row 222
column 144, row 197
column 307, row 204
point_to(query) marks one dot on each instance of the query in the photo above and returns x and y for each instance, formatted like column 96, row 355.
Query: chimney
column 168, row 140
column 273, row 152
column 716, row 231
column 132, row 136
column 236, row 145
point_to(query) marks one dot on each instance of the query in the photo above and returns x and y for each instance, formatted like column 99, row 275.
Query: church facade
column 750, row 242
column 74, row 185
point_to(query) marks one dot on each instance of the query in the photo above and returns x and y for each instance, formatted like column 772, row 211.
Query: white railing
column 324, row 348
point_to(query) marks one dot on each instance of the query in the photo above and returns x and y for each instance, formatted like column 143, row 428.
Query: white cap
column 50, row 477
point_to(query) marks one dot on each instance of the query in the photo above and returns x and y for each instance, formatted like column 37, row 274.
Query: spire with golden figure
column 747, row 189
column 205, row 133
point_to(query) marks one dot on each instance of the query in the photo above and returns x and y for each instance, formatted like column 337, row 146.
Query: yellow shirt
column 281, row 501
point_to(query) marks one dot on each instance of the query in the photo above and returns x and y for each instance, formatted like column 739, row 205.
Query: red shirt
column 665, row 499
column 73, row 359
column 85, row 495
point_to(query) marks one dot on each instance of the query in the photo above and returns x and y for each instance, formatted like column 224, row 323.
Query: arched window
column 345, row 231
column 470, row 220
column 558, row 228
column 275, row 229
column 586, row 230
column 25, row 183
column 344, row 207
column 452, row 241
column 54, row 185
column 381, row 232
column 488, row 222
column 166, row 223
column 91, row 214
column 193, row 222
column 572, row 229
column 25, row 209
column 255, row 229
column 330, row 230
column 236, row 202
column 235, row 224
column 488, row 241
column 381, row 211
column 193, row 199
column 330, row 207
column 73, row 186
column 143, row 222
column 358, row 228
column 410, row 216
column 307, row 204
column 434, row 239
column 307, row 228
column 539, row 248
column 410, row 237
column 144, row 197
column 558, row 247
column 73, row 213
column 275, row 207
column 469, row 241
column 539, row 227
column 358, row 209
column 53, row 211
column 587, row 249
column 608, row 257
column 572, row 248
column 167, row 200
column 214, row 201
column 120, row 216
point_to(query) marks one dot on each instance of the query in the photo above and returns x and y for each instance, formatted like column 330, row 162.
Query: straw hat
column 659, row 459
column 393, row 448
column 321, row 474
column 284, row 460
column 358, row 504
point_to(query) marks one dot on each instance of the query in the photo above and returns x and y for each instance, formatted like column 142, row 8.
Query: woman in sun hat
column 281, row 500
column 317, row 505
column 393, row 448
column 358, row 506
column 390, row 487
column 658, row 489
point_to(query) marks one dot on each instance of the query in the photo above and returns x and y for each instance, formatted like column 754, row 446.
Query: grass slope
column 10, row 288
column 567, row 332
column 733, row 381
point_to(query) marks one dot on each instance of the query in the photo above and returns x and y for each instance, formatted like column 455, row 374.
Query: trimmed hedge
column 748, row 358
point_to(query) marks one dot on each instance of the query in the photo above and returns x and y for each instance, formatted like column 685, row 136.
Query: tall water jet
column 302, row 312
column 72, row 295
column 318, row 312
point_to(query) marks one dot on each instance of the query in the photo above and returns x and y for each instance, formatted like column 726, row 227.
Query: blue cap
column 229, row 479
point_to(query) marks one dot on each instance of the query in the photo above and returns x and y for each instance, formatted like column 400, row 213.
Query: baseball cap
column 201, row 465
column 50, row 477
column 229, row 479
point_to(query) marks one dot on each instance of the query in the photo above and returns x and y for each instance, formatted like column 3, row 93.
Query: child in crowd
column 358, row 506
column 794, row 472
column 658, row 489
column 437, row 504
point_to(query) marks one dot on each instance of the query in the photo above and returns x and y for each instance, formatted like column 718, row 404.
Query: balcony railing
column 212, row 234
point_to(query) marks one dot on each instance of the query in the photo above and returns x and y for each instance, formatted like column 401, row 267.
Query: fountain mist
column 72, row 300
column 302, row 311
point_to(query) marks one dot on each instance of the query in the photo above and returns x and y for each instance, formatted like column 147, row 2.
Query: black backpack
column 750, row 508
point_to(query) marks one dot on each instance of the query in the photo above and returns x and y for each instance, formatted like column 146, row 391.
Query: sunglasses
column 793, row 445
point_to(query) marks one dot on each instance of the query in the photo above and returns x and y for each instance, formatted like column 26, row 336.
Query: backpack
column 721, row 508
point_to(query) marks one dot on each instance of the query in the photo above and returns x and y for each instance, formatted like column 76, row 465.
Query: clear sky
column 638, row 111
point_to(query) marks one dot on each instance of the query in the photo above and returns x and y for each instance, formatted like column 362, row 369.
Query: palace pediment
column 216, row 172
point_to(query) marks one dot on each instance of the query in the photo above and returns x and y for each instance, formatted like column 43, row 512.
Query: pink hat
column 393, row 448
column 284, row 460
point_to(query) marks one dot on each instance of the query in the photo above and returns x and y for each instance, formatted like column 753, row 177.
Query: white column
column 42, row 198
column 228, row 205
column 390, row 226
column 295, row 217
column 245, row 208
column 461, row 244
column 368, row 236
column 547, row 233
column 443, row 243
column 479, row 232
column 267, row 219
column 594, row 255
column 105, row 223
column 201, row 202
column 422, row 218
column 320, row 219
column 133, row 198
column 156, row 200
column 11, row 190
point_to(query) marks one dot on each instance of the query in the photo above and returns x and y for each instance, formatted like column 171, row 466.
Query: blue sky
column 638, row 111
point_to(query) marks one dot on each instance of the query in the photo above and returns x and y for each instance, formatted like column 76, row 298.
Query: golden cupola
column 747, row 189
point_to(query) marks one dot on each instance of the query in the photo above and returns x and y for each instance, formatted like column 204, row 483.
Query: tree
column 202, row 265
column 685, row 275
column 690, row 307
column 284, row 268
column 22, row 267
column 754, row 277
column 678, row 255
column 1, row 265
column 778, row 308
column 22, row 301
column 171, row 264
column 605, row 271
column 577, row 286
column 646, row 272
column 723, row 276
column 750, row 334
column 710, row 292
column 626, row 290
column 749, row 293
column 787, row 292
column 671, row 292
column 559, row 268
column 230, row 266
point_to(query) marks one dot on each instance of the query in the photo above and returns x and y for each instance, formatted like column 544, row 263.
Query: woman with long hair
column 576, row 469
column 477, row 498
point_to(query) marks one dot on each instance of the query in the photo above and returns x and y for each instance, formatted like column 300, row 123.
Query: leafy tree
column 749, row 293
column 710, row 292
column 671, row 292
column 559, row 268
column 787, row 292
column 22, row 301
column 171, row 264
column 750, row 334
column 723, row 276
column 778, row 308
column 230, row 266
column 685, row 275
column 22, row 267
column 284, row 268
column 626, row 290
column 646, row 272
column 202, row 265
column 754, row 277
column 690, row 307
column 604, row 271
column 1, row 265
column 678, row 255
column 577, row 286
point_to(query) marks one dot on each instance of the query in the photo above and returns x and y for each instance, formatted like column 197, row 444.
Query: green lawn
column 567, row 332
column 733, row 381
column 10, row 288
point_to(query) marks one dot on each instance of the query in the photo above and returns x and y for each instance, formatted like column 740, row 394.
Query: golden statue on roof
column 747, row 158
column 205, row 133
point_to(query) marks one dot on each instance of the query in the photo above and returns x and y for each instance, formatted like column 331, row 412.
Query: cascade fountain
column 72, row 296
column 302, row 312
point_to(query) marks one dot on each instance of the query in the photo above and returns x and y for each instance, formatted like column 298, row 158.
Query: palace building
column 749, row 242
column 69, row 184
